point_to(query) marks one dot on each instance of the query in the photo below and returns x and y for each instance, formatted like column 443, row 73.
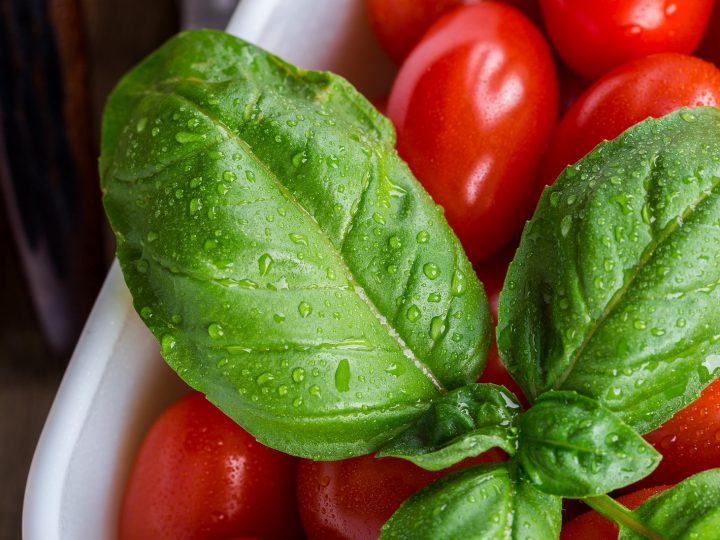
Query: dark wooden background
column 101, row 39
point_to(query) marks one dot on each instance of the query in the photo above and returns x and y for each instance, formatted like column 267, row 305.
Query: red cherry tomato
column 689, row 441
column 353, row 498
column 474, row 105
column 399, row 24
column 198, row 475
column 652, row 86
column 572, row 87
column 593, row 37
column 593, row 526
column 709, row 48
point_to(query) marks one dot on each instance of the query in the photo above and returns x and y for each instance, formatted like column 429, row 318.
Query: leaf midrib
column 674, row 225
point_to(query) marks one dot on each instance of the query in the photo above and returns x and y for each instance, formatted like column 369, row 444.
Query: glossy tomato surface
column 198, row 475
column 595, row 36
column 593, row 526
column 474, row 105
column 651, row 86
column 353, row 498
column 689, row 441
column 709, row 48
column 399, row 24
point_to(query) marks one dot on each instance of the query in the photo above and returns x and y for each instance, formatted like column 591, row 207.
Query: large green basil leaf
column 463, row 423
column 572, row 446
column 688, row 511
column 614, row 290
column 484, row 502
column 285, row 257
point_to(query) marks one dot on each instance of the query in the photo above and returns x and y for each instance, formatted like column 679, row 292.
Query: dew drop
column 457, row 285
column 184, row 137
column 438, row 327
column 298, row 159
column 565, row 225
column 394, row 242
column 250, row 176
column 167, row 344
column 210, row 245
column 265, row 378
column 304, row 309
column 298, row 374
column 342, row 376
column 423, row 237
column 264, row 263
column 431, row 270
column 215, row 331
column 297, row 238
column 413, row 313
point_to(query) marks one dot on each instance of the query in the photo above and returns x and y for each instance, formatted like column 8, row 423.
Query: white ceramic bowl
column 116, row 383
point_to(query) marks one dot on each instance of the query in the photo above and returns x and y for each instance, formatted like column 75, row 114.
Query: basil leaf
column 572, row 446
column 614, row 290
column 689, row 510
column 461, row 424
column 483, row 502
column 285, row 257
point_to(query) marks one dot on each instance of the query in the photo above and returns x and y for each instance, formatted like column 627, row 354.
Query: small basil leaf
column 285, row 257
column 689, row 510
column 484, row 502
column 463, row 423
column 614, row 290
column 572, row 446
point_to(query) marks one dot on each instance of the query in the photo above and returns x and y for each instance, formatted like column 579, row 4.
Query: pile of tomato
column 492, row 100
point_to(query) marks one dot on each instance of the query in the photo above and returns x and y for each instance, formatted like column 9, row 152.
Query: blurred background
column 59, row 59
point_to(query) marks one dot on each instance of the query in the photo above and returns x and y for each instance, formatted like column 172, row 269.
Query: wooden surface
column 119, row 33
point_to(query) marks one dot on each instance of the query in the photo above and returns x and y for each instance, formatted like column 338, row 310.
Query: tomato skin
column 593, row 37
column 651, row 86
column 709, row 48
column 352, row 499
column 399, row 24
column 198, row 475
column 593, row 526
column 689, row 441
column 474, row 105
